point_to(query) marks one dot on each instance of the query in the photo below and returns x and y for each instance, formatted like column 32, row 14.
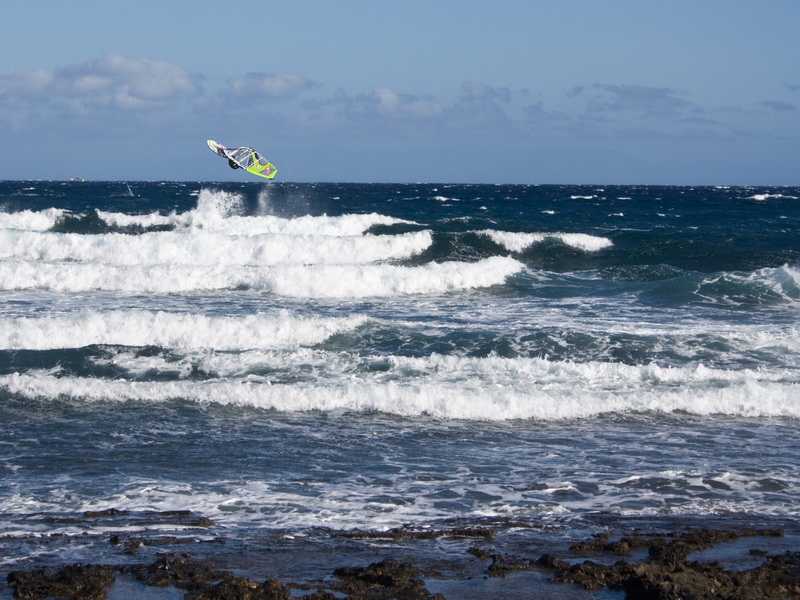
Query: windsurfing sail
column 245, row 158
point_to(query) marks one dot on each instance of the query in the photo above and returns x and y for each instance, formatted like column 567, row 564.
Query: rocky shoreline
column 507, row 558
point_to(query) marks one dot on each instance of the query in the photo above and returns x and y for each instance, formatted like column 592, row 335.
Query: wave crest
column 309, row 281
column 467, row 388
column 171, row 330
column 518, row 242
column 210, row 248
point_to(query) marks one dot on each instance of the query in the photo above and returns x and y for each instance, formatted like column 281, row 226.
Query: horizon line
column 451, row 183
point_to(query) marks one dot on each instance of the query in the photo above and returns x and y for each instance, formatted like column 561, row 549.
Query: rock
column 669, row 575
column 601, row 543
column 239, row 588
column 179, row 570
column 385, row 580
column 502, row 565
column 110, row 512
column 72, row 582
column 404, row 533
column 480, row 553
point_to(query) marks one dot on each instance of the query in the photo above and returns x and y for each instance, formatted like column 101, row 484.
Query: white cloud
column 389, row 102
column 641, row 99
column 112, row 81
column 381, row 103
column 270, row 85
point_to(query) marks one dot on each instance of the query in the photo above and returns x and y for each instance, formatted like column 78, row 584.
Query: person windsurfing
column 233, row 165
column 244, row 157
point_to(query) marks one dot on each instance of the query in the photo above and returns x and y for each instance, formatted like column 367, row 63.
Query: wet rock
column 177, row 517
column 777, row 578
column 385, row 580
column 591, row 575
column 185, row 518
column 72, row 582
column 110, row 512
column 133, row 544
column 200, row 579
column 503, row 564
column 674, row 550
column 668, row 575
column 204, row 582
column 239, row 588
column 717, row 485
column 179, row 570
column 480, row 553
column 667, row 547
column 601, row 543
column 405, row 534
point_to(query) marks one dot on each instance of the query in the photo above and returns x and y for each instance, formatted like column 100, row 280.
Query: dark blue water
column 301, row 356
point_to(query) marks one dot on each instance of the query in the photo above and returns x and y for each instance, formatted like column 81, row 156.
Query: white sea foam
column 582, row 197
column 302, row 363
column 315, row 281
column 762, row 197
column 220, row 211
column 173, row 330
column 784, row 280
column 517, row 242
column 200, row 248
column 467, row 388
column 31, row 220
column 518, row 373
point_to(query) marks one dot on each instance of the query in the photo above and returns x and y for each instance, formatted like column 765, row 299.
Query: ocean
column 292, row 362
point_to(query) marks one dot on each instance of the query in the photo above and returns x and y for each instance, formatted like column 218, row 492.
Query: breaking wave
column 467, row 388
column 210, row 248
column 518, row 242
column 219, row 211
column 762, row 197
column 216, row 211
column 171, row 330
column 31, row 220
column 767, row 285
column 312, row 281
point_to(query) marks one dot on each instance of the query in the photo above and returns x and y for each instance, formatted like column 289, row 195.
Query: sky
column 578, row 91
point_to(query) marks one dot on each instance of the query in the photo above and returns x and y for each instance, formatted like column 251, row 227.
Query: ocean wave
column 299, row 363
column 512, row 373
column 762, row 197
column 762, row 286
column 220, row 211
column 783, row 280
column 312, row 281
column 215, row 211
column 171, row 330
column 209, row 248
column 464, row 388
column 519, row 241
column 31, row 220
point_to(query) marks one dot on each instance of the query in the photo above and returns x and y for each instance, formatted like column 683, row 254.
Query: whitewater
column 298, row 358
